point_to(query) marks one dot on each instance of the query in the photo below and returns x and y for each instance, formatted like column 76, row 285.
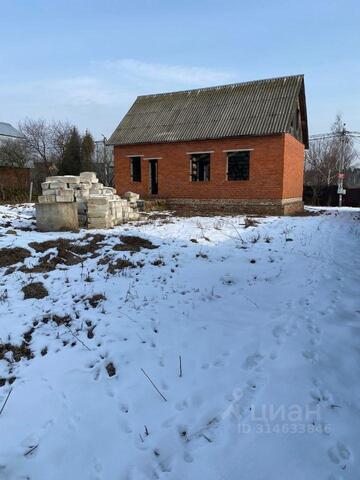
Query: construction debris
column 97, row 206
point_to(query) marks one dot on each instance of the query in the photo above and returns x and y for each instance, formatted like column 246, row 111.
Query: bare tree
column 37, row 136
column 60, row 133
column 46, row 141
column 104, row 162
column 327, row 156
column 13, row 153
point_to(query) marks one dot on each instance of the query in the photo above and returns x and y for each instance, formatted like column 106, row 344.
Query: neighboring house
column 14, row 181
column 236, row 147
column 7, row 132
column 352, row 177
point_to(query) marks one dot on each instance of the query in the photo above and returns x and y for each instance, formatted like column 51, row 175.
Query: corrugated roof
column 260, row 107
column 8, row 130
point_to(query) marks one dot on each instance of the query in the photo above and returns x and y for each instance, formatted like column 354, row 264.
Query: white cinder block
column 88, row 176
column 64, row 198
column 71, row 179
column 108, row 190
column 98, row 215
column 85, row 185
column 131, row 195
column 98, row 200
column 65, row 194
column 57, row 184
column 55, row 179
column 46, row 198
column 81, row 195
column 98, row 206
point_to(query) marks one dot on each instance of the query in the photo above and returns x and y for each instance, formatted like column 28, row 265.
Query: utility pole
column 343, row 135
column 341, row 174
column 105, row 166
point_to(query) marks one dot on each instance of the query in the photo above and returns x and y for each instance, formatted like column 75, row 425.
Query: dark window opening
column 200, row 167
column 135, row 167
column 238, row 165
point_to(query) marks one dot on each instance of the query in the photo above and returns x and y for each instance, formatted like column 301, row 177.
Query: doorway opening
column 153, row 166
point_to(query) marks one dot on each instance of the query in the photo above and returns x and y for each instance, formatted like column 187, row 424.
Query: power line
column 341, row 135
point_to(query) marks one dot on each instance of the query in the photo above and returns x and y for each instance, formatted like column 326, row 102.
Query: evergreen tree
column 87, row 152
column 71, row 162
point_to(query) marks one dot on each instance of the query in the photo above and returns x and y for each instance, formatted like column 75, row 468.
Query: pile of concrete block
column 98, row 206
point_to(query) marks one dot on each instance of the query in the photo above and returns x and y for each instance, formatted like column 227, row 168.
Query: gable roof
column 8, row 130
column 260, row 107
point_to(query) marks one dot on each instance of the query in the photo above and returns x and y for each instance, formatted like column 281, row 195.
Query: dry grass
column 133, row 243
column 11, row 256
column 95, row 300
column 35, row 290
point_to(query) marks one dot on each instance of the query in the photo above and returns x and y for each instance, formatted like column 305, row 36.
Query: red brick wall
column 266, row 169
column 293, row 167
column 12, row 177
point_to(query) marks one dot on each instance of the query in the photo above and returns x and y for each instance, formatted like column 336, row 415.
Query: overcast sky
column 86, row 61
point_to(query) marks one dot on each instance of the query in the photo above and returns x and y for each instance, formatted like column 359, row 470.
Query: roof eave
column 204, row 139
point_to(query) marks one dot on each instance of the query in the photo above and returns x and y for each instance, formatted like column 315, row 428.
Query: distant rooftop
column 7, row 130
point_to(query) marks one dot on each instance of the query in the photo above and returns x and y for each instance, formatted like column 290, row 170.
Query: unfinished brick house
column 236, row 147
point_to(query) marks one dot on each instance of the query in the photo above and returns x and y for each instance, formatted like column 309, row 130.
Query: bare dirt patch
column 95, row 300
column 307, row 213
column 119, row 264
column 16, row 352
column 250, row 222
column 111, row 370
column 59, row 320
column 132, row 243
column 44, row 266
column 158, row 262
column 35, row 290
column 69, row 252
column 42, row 247
column 11, row 256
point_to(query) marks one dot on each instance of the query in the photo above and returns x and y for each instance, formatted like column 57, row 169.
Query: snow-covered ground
column 264, row 319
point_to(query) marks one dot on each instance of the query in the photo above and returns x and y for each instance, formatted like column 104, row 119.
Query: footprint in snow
column 168, row 422
column 124, row 408
column 304, row 302
column 243, row 399
column 339, row 453
column 48, row 424
column 321, row 396
column 278, row 332
column 196, row 400
column 252, row 361
column 219, row 363
column 312, row 328
column 73, row 422
column 315, row 341
column 97, row 466
column 188, row 458
column 181, row 405
column 310, row 355
column 125, row 427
